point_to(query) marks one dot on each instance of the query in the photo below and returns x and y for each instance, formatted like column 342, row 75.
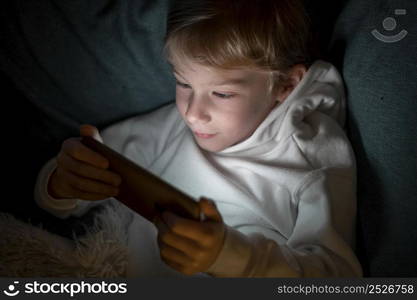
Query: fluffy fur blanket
column 30, row 251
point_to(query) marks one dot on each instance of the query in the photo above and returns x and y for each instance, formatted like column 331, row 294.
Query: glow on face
column 222, row 107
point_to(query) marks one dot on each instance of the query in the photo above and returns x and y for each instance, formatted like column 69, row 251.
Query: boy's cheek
column 181, row 106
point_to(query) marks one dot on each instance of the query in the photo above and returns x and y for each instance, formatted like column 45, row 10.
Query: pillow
column 65, row 63
column 79, row 62
column 374, row 44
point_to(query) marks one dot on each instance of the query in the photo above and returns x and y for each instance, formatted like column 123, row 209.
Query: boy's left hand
column 191, row 246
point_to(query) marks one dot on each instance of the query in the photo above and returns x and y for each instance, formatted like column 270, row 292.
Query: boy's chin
column 210, row 146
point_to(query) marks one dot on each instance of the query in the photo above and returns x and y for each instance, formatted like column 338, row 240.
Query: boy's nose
column 197, row 112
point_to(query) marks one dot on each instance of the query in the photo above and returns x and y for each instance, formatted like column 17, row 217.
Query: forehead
column 244, row 75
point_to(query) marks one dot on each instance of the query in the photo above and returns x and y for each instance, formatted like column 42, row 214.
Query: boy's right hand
column 82, row 173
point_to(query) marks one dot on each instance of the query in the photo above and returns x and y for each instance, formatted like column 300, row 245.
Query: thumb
column 209, row 209
column 89, row 130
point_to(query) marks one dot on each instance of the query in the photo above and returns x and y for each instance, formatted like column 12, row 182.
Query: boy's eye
column 223, row 95
column 183, row 85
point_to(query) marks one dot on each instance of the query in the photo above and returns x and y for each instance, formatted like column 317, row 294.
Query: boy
column 256, row 128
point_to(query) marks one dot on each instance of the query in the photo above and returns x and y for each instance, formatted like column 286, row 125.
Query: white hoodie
column 287, row 193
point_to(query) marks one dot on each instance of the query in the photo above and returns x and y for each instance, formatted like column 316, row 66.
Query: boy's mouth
column 204, row 135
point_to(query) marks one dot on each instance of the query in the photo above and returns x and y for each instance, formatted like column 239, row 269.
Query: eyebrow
column 177, row 73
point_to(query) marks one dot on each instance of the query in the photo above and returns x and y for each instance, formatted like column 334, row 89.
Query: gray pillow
column 68, row 62
column 86, row 61
column 375, row 46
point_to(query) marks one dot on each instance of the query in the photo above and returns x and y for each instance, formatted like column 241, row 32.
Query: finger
column 168, row 237
column 89, row 130
column 209, row 210
column 170, row 254
column 58, row 187
column 160, row 225
column 70, row 192
column 183, row 244
column 88, row 171
column 87, row 196
column 187, row 228
column 73, row 147
column 89, row 186
column 180, row 268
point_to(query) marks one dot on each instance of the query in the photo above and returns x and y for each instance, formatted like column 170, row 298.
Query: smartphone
column 142, row 191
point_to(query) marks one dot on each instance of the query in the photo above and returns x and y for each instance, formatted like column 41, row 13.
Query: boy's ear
column 294, row 76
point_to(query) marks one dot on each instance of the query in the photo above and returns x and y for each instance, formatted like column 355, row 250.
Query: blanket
column 31, row 251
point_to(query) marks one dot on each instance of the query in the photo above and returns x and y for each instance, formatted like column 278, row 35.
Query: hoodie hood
column 321, row 90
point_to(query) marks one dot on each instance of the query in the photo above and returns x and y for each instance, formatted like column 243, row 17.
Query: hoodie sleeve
column 61, row 208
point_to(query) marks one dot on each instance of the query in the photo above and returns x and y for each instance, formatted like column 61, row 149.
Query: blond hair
column 271, row 35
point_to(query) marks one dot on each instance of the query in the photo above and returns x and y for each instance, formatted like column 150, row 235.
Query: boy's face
column 222, row 107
